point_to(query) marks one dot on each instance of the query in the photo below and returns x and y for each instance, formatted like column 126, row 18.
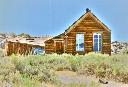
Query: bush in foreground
column 31, row 69
column 102, row 66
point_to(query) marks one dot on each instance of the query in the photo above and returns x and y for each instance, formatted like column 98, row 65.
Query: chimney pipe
column 88, row 10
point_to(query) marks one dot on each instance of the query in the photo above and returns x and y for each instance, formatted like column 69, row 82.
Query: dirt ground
column 67, row 77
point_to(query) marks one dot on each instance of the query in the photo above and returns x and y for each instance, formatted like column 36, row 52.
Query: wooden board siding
column 19, row 48
column 106, row 43
column 88, row 28
column 49, row 46
column 59, row 47
column 88, row 24
column 54, row 46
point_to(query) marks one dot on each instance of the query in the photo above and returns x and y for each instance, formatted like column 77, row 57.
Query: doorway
column 59, row 47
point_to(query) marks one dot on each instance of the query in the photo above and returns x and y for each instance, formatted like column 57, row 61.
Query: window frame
column 99, row 34
column 83, row 42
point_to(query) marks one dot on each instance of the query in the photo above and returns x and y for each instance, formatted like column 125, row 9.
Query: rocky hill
column 119, row 47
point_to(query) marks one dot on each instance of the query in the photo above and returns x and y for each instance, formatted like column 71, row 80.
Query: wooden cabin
column 87, row 34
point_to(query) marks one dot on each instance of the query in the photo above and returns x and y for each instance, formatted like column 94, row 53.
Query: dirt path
column 67, row 77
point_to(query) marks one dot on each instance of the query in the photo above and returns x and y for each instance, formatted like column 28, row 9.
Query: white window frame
column 99, row 34
column 83, row 42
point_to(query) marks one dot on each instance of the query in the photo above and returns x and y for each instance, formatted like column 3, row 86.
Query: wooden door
column 59, row 47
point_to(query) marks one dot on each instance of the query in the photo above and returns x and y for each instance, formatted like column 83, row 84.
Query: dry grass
column 27, row 70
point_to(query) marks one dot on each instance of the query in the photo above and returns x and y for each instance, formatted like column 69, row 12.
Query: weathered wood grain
column 88, row 25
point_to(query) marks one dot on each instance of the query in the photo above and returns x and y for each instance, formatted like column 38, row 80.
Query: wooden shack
column 22, row 48
column 87, row 34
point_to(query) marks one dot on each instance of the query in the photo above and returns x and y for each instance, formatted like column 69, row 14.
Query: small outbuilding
column 87, row 34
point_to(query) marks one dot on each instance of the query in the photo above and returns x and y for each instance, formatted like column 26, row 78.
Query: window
column 97, row 42
column 79, row 42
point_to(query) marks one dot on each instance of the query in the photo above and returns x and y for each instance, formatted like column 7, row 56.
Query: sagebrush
column 33, row 70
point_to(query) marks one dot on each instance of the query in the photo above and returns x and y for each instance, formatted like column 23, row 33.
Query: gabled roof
column 82, row 17
column 88, row 12
column 60, row 36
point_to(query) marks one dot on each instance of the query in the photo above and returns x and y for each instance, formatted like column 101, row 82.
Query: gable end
column 82, row 18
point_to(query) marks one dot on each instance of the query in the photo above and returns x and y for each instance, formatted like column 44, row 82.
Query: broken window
column 79, row 42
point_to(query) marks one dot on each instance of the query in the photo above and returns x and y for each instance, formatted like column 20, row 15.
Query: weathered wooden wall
column 59, row 46
column 19, row 48
column 89, row 26
column 54, row 46
column 49, row 46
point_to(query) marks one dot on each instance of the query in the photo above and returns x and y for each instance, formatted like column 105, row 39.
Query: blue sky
column 52, row 17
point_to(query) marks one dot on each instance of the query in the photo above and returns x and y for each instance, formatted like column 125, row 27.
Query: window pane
column 100, row 42
column 99, row 46
column 100, row 36
column 95, row 36
column 79, row 42
column 95, row 46
column 81, row 45
column 95, row 40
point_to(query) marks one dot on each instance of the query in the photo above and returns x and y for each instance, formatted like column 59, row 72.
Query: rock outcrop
column 119, row 47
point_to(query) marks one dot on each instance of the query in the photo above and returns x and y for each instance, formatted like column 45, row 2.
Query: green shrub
column 8, row 74
column 41, row 68
column 103, row 66
column 35, row 68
